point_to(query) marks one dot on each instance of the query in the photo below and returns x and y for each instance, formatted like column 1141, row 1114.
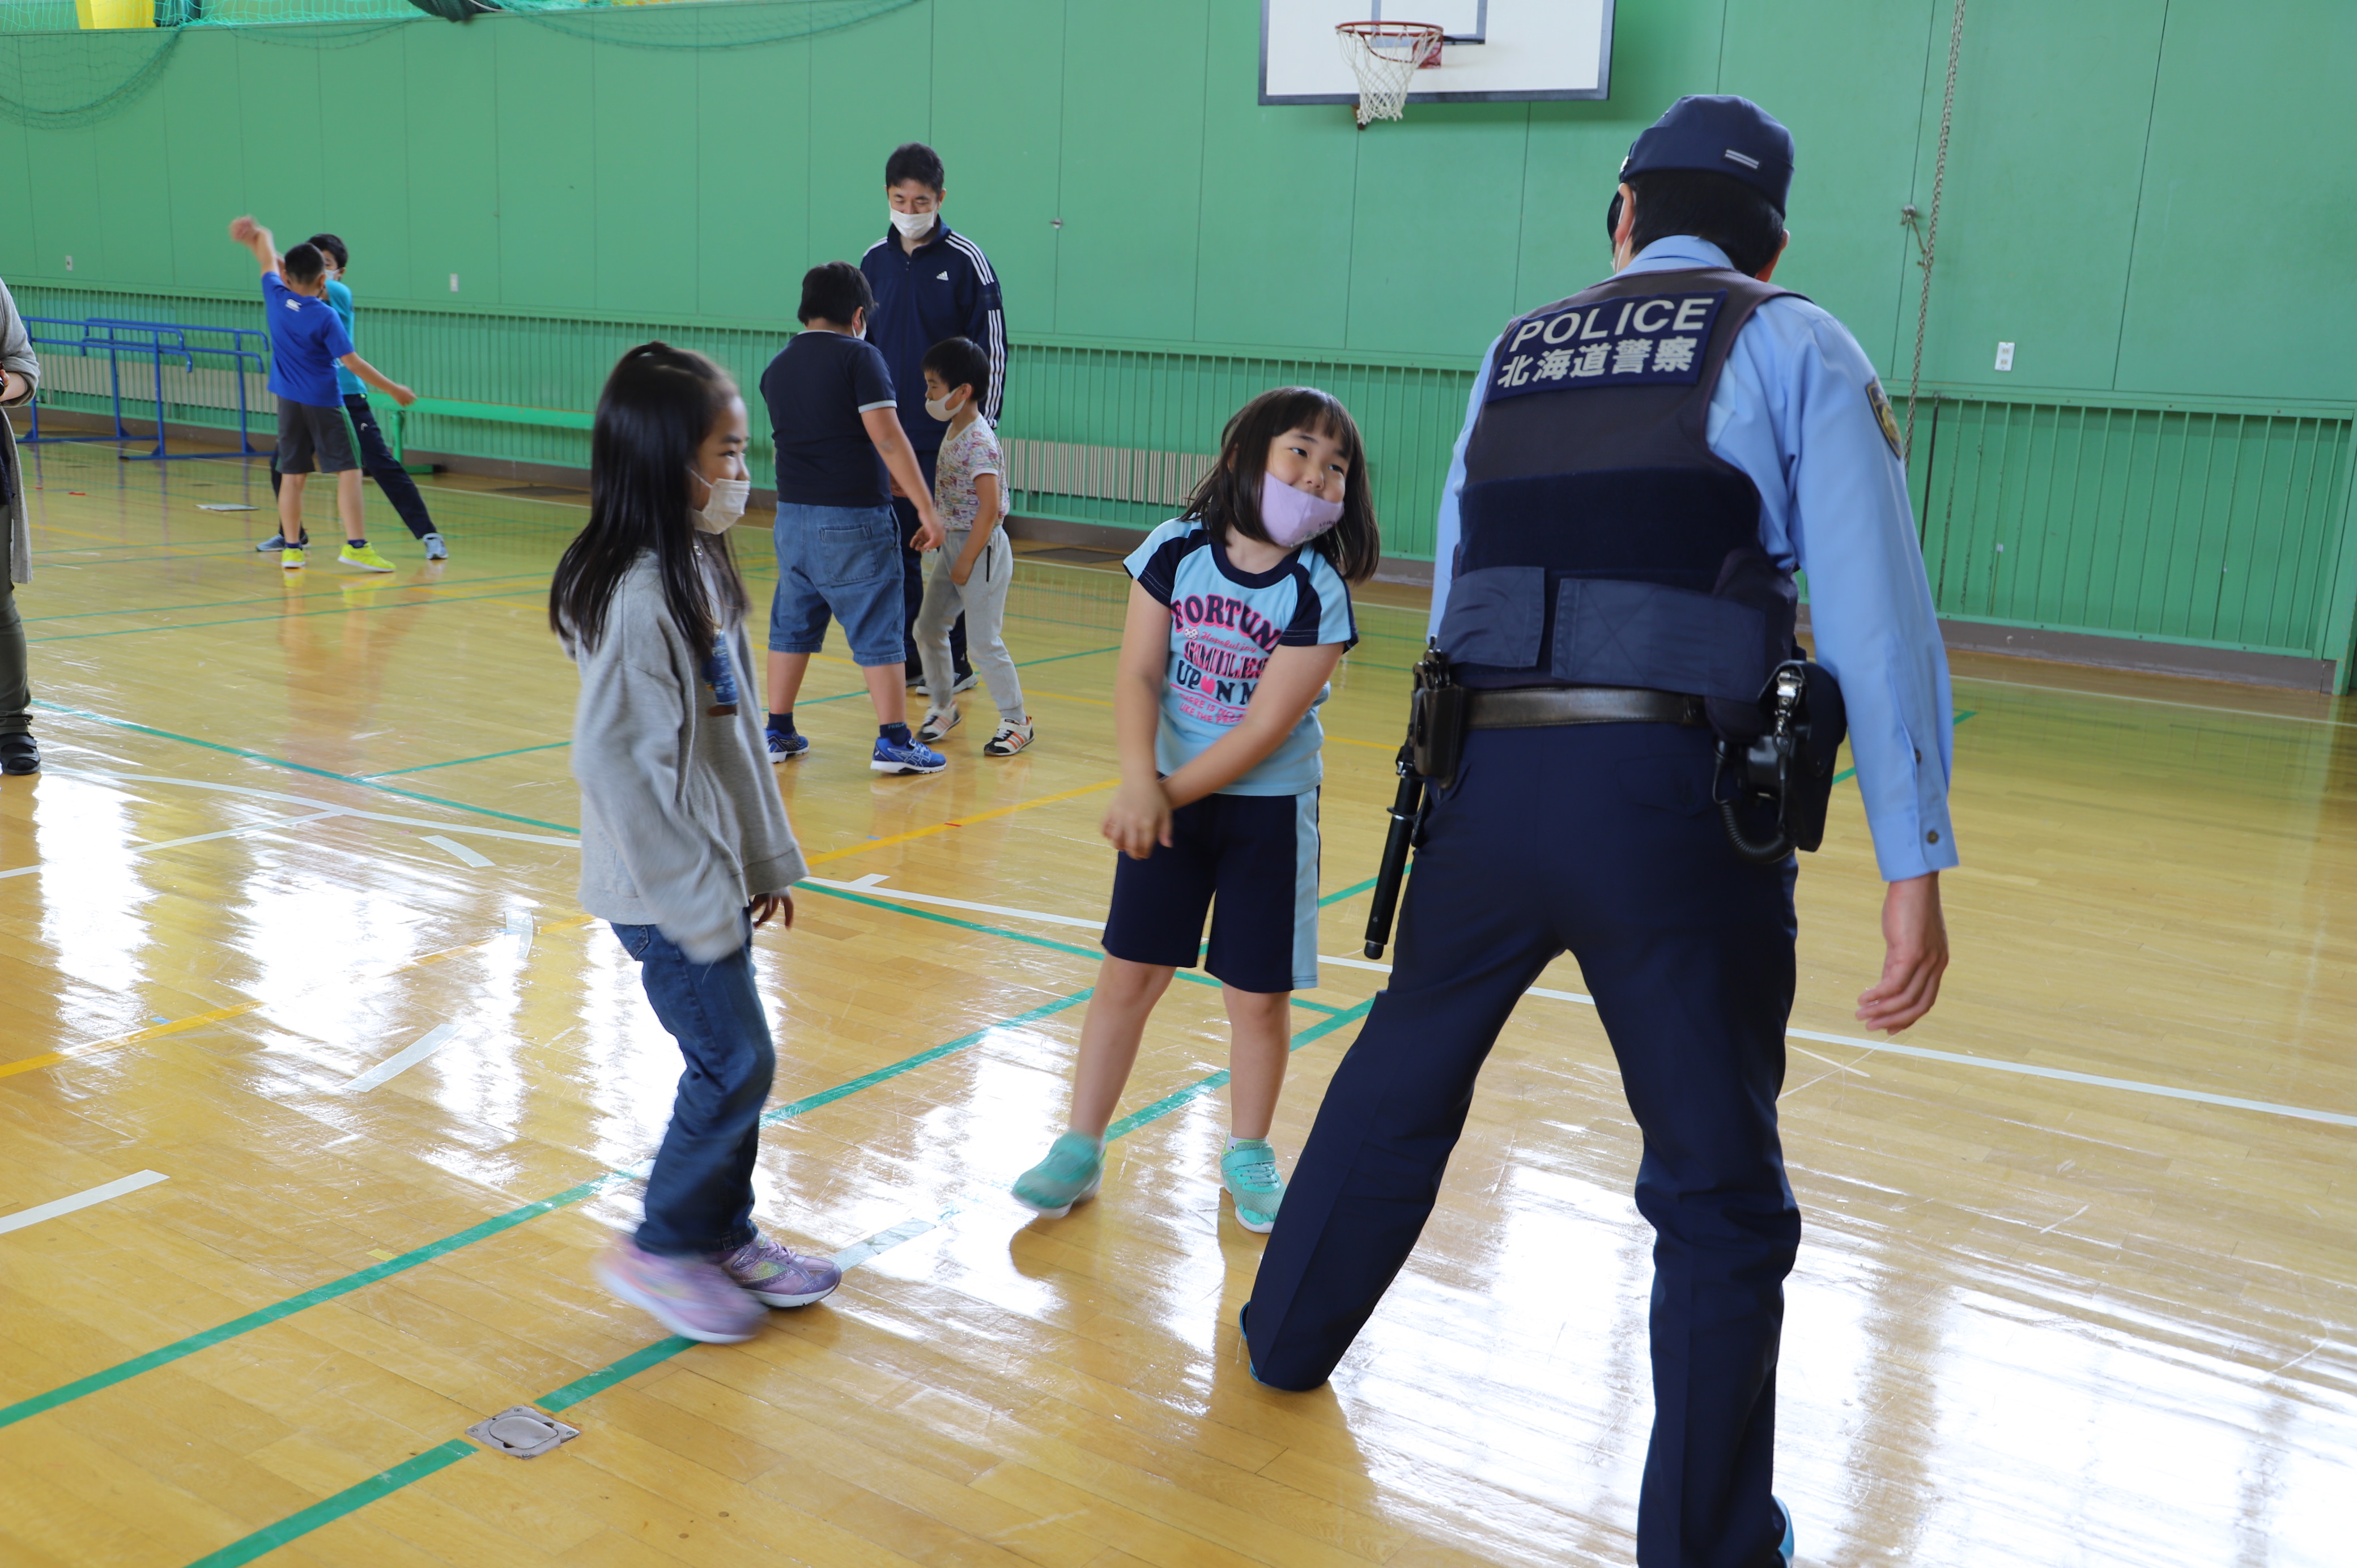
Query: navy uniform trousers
column 1600, row 839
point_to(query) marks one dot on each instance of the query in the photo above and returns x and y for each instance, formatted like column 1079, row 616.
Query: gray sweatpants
column 983, row 601
column 16, row 697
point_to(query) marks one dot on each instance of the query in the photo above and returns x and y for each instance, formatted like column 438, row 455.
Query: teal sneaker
column 1249, row 1172
column 1785, row 1547
column 1073, row 1170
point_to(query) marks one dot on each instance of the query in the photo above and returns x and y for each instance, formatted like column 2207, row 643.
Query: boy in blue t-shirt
column 376, row 454
column 308, row 341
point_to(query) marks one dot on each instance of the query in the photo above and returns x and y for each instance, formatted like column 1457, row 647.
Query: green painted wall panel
column 1132, row 184
column 2043, row 170
column 2171, row 457
column 2242, row 284
column 544, row 127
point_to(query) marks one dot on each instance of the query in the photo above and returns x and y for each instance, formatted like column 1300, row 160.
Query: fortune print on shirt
column 1225, row 647
column 720, row 679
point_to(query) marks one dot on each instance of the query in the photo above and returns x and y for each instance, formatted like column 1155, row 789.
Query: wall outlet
column 69, row 264
column 2009, row 348
column 2004, row 351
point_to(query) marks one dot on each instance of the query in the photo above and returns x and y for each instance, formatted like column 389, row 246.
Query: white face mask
column 912, row 225
column 724, row 505
column 939, row 408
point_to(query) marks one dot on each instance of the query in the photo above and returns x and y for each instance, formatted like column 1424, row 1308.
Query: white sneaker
column 939, row 724
column 1010, row 740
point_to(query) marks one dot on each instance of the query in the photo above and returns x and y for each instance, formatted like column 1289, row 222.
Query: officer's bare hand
column 1139, row 818
column 1915, row 954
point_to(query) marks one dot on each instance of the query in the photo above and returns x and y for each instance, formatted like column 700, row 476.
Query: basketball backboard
column 1496, row 49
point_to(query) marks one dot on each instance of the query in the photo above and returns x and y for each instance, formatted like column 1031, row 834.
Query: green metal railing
column 2222, row 522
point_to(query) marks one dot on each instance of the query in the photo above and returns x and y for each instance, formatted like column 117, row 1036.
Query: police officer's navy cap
column 1723, row 134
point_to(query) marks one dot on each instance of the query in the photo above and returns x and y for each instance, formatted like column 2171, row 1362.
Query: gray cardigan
column 682, row 825
column 16, row 354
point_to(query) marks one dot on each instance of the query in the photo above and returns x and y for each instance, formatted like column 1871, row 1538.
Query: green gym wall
column 2153, row 199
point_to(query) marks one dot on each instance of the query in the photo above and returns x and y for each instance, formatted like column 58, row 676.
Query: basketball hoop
column 1386, row 57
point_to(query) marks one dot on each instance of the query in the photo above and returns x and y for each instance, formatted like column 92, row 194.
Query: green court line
column 1341, row 893
column 123, row 1372
column 1025, row 937
column 1960, row 718
column 281, row 598
column 299, row 615
column 388, row 1481
column 462, row 761
column 299, row 767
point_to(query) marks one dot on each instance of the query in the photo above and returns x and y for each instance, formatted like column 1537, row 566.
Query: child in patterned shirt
column 972, row 569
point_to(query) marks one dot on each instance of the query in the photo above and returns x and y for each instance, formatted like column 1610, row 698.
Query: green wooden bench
column 454, row 408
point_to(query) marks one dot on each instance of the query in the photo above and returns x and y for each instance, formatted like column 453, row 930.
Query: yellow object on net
column 115, row 13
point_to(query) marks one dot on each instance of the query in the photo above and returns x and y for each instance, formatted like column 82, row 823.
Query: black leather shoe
column 19, row 754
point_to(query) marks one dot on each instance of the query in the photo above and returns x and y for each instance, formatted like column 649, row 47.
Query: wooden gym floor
column 2077, row 1286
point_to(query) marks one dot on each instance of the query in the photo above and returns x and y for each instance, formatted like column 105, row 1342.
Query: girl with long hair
column 684, row 843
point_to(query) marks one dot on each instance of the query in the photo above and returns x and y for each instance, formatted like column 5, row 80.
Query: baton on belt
column 1437, row 716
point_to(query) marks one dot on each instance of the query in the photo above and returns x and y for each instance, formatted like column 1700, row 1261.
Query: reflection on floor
column 317, row 1093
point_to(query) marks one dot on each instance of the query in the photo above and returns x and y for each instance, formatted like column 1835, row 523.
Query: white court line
column 1956, row 1058
column 272, row 825
column 401, row 1062
column 325, row 806
column 452, row 846
column 42, row 1211
column 522, row 927
column 2160, row 702
column 868, row 886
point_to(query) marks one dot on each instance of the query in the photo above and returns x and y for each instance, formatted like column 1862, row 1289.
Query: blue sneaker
column 787, row 744
column 914, row 758
column 1785, row 1547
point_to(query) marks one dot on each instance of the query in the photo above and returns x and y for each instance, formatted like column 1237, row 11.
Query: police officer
column 1643, row 468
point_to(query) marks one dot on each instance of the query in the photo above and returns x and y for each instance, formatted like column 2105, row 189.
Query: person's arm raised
column 900, row 462
column 257, row 239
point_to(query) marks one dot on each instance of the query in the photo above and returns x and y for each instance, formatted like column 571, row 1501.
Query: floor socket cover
column 521, row 1432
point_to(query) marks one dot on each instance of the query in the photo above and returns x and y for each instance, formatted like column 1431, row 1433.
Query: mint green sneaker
column 1249, row 1172
column 1073, row 1170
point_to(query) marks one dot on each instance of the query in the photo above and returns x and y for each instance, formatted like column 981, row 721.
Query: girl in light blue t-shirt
column 1238, row 613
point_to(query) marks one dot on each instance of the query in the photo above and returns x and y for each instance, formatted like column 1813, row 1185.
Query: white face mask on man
column 913, row 225
column 724, row 506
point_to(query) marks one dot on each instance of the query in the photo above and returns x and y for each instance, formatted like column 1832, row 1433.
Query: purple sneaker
column 777, row 1276
column 690, row 1296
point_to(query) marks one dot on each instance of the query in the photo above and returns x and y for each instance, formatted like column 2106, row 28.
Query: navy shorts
column 1248, row 860
column 841, row 563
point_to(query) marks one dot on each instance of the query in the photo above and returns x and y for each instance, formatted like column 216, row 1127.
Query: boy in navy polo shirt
column 308, row 341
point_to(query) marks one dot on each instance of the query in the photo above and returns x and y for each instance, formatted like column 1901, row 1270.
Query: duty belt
column 1539, row 707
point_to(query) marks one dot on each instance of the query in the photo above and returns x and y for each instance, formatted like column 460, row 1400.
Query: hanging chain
column 1929, row 241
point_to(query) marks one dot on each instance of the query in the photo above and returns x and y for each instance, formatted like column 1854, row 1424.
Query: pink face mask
column 1291, row 517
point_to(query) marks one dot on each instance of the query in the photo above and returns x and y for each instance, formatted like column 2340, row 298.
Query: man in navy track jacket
column 930, row 282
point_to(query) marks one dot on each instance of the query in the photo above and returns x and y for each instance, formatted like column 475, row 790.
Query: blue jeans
column 841, row 561
column 700, row 1197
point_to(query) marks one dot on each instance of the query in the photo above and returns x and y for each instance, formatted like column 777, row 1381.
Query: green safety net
column 55, row 74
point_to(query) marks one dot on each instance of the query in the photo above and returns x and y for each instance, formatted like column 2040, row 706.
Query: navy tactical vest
column 1603, row 543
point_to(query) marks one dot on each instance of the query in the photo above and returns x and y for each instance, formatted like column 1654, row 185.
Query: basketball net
column 1386, row 57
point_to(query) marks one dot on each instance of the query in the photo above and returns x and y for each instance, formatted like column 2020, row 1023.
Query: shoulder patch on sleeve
column 1885, row 418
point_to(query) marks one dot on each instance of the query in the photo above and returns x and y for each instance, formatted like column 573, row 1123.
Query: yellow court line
column 962, row 822
column 199, row 1020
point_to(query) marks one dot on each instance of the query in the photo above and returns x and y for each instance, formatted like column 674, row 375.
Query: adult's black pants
column 378, row 463
column 1599, row 839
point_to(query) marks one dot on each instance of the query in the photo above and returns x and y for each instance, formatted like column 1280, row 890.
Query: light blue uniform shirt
column 1791, row 410
column 341, row 297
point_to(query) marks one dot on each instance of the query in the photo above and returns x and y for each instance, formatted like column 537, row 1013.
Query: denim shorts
column 844, row 562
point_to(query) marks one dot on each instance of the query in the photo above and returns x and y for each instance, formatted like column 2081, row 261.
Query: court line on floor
column 928, row 831
column 272, row 825
column 123, row 1372
column 83, row 1200
column 295, row 767
column 390, row 1480
column 402, row 1060
column 281, row 598
column 472, row 859
column 842, row 890
column 2161, row 702
column 343, row 609
column 254, row 1004
column 352, row 1499
column 329, row 807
